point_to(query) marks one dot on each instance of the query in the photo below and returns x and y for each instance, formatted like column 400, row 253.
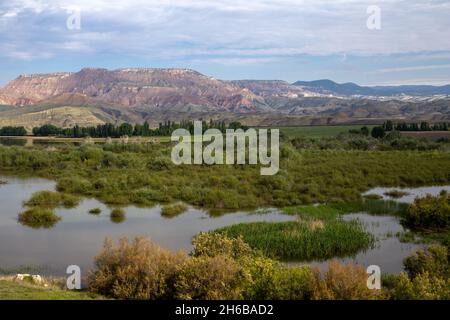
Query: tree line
column 423, row 126
column 114, row 131
column 13, row 131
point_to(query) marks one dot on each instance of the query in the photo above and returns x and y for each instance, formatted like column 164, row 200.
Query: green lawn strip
column 10, row 290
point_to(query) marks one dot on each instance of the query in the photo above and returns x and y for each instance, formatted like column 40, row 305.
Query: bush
column 209, row 278
column 422, row 287
column 38, row 218
column 429, row 213
column 435, row 260
column 378, row 132
column 341, row 282
column 117, row 215
column 134, row 270
column 173, row 210
column 292, row 283
column 95, row 211
column 427, row 277
column 51, row 200
column 213, row 244
column 73, row 184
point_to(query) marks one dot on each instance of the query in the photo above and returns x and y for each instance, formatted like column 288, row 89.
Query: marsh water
column 78, row 237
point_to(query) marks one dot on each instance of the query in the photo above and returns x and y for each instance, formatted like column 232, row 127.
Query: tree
column 388, row 125
column 365, row 131
column 378, row 132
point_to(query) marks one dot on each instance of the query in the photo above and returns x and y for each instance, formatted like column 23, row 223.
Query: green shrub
column 117, row 215
column 209, row 244
column 74, row 184
column 209, row 278
column 292, row 283
column 396, row 194
column 51, row 200
column 422, row 287
column 435, row 260
column 95, row 211
column 429, row 213
column 38, row 218
column 427, row 277
column 173, row 210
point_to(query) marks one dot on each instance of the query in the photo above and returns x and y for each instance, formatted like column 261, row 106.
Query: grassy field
column 10, row 290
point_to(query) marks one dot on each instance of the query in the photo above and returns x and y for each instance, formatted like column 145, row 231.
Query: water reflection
column 409, row 193
column 388, row 252
column 79, row 236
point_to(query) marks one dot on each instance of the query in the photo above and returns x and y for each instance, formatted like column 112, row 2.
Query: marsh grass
column 303, row 240
column 95, row 211
column 173, row 210
column 332, row 211
column 52, row 200
column 38, row 218
column 117, row 215
column 121, row 175
column 395, row 194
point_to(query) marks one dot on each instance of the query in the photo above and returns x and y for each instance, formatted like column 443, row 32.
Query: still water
column 388, row 252
column 410, row 193
column 78, row 237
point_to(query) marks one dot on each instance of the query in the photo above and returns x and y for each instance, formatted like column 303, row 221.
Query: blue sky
column 232, row 39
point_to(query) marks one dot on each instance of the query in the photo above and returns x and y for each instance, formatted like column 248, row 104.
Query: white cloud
column 251, row 29
column 413, row 68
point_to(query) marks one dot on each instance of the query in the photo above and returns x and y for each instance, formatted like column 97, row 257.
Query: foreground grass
column 303, row 240
column 10, row 290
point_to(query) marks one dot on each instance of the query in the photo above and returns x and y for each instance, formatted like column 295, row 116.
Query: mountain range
column 93, row 96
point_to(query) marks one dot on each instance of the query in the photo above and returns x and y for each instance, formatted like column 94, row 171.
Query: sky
column 390, row 42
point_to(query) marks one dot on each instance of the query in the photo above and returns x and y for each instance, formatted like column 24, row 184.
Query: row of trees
column 423, row 126
column 13, row 131
column 110, row 130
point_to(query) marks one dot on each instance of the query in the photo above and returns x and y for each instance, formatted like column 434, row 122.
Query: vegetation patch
column 38, row 218
column 173, row 210
column 429, row 214
column 427, row 276
column 95, row 211
column 310, row 172
column 396, row 194
column 117, row 215
column 52, row 200
column 218, row 268
column 303, row 240
column 10, row 290
column 333, row 210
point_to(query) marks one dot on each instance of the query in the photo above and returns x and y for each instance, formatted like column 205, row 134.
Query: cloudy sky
column 232, row 39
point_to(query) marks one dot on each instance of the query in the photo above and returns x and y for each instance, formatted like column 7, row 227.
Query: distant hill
column 92, row 96
column 330, row 87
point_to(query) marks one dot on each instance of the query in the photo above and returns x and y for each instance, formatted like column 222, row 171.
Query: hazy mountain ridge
column 93, row 96
column 330, row 87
